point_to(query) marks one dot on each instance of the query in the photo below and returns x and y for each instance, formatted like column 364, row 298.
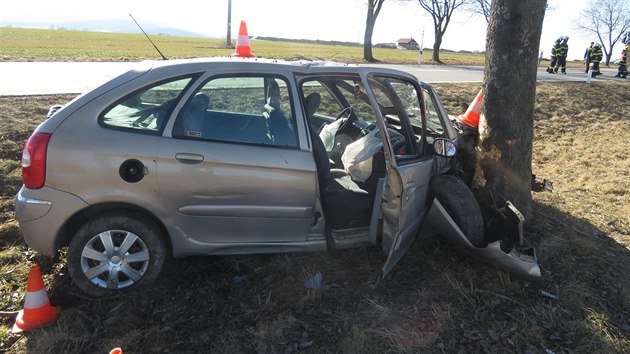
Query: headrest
column 201, row 101
column 273, row 89
column 311, row 104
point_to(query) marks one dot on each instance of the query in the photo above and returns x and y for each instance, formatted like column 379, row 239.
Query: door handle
column 188, row 158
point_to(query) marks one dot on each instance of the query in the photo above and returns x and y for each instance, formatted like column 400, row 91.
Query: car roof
column 304, row 67
column 159, row 68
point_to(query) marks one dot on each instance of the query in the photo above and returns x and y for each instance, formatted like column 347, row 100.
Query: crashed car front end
column 523, row 263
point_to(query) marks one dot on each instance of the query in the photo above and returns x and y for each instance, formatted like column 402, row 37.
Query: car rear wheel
column 115, row 253
column 461, row 206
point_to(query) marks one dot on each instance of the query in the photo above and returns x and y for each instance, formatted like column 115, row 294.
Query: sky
column 342, row 20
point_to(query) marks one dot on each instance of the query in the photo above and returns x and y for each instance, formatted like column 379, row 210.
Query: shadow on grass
column 436, row 301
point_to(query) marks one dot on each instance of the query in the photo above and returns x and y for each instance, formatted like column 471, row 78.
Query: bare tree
column 480, row 7
column 374, row 7
column 609, row 20
column 504, row 153
column 441, row 11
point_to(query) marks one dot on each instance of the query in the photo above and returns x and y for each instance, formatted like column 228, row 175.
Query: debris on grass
column 547, row 294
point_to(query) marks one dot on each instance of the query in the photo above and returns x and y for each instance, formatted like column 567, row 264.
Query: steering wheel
column 345, row 113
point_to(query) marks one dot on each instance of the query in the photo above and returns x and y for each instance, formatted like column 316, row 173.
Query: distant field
column 65, row 45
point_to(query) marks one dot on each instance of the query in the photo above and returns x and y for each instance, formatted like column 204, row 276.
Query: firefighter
column 554, row 55
column 595, row 57
column 587, row 56
column 623, row 68
column 561, row 55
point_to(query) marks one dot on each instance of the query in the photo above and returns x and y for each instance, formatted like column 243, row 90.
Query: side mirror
column 444, row 147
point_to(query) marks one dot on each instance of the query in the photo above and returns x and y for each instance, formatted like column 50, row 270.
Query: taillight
column 34, row 160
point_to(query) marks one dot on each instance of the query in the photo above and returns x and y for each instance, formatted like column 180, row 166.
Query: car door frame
column 403, row 205
column 196, row 247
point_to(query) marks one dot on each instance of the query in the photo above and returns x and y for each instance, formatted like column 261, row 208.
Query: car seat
column 345, row 203
column 280, row 131
column 191, row 121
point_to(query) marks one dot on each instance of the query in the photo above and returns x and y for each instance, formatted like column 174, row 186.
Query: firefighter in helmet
column 595, row 57
column 623, row 67
column 561, row 55
column 554, row 55
column 587, row 56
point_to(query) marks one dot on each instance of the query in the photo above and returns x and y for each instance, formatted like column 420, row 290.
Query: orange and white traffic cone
column 471, row 117
column 243, row 49
column 37, row 310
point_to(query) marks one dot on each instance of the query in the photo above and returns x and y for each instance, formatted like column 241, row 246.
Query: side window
column 359, row 101
column 335, row 94
column 328, row 107
column 434, row 123
column 400, row 105
column 240, row 109
column 145, row 110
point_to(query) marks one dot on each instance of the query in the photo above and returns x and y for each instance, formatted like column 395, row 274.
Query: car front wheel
column 461, row 205
column 115, row 253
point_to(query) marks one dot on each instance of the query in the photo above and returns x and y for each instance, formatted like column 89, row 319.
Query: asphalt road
column 40, row 78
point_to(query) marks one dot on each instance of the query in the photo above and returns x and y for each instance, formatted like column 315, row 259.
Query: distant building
column 407, row 43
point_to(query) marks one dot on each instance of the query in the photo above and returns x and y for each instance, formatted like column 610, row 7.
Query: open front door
column 401, row 114
column 403, row 208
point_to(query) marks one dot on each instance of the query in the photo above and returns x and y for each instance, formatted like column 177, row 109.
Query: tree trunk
column 374, row 8
column 436, row 47
column 504, row 154
column 367, row 37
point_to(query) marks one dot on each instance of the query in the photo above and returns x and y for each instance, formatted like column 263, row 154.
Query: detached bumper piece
column 521, row 262
column 541, row 185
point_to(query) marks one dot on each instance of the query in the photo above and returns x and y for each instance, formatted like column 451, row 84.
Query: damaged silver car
column 241, row 156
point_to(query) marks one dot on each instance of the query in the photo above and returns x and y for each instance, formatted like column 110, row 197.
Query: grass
column 66, row 45
column 436, row 301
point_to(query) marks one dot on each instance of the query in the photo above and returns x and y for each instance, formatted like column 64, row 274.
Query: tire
column 101, row 270
column 461, row 205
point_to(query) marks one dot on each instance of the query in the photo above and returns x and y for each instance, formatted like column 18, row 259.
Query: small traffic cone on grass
column 243, row 49
column 37, row 310
column 472, row 114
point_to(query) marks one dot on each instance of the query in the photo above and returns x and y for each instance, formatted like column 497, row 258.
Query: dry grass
column 436, row 301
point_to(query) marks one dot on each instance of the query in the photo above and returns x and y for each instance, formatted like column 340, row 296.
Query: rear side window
column 147, row 109
column 240, row 109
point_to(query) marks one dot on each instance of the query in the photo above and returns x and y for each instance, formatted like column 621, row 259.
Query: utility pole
column 228, row 42
column 421, row 46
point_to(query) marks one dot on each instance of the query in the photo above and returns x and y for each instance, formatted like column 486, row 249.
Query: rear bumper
column 42, row 213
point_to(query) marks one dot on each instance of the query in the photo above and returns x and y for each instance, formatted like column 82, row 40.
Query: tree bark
column 367, row 38
column 436, row 47
column 504, row 154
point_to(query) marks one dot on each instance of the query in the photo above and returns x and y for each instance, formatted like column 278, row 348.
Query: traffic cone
column 37, row 311
column 471, row 117
column 243, row 49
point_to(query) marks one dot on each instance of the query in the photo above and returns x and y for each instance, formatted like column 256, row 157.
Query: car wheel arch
column 72, row 225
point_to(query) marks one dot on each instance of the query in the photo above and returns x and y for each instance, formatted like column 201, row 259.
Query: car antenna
column 154, row 46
